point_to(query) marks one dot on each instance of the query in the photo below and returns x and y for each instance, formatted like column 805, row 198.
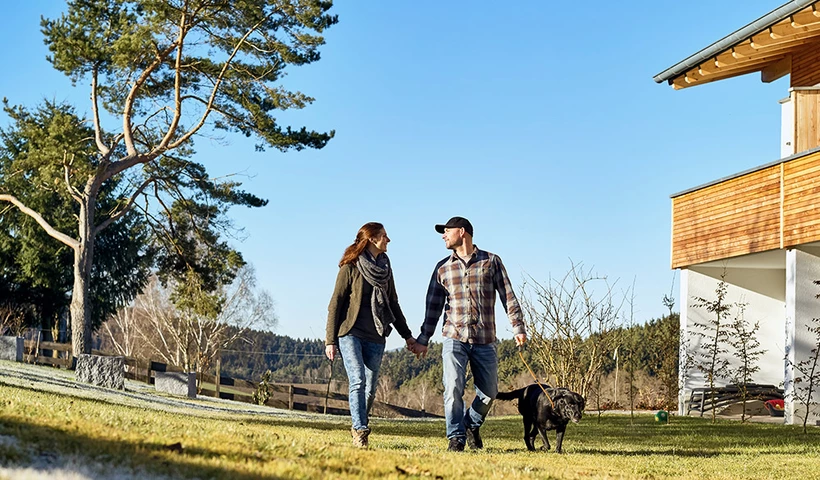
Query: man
column 463, row 286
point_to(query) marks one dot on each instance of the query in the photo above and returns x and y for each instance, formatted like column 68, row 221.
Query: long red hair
column 368, row 231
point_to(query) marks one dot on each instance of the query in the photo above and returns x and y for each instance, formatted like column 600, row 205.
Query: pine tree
column 167, row 71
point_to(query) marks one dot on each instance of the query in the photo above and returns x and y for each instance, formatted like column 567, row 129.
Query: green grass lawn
column 203, row 444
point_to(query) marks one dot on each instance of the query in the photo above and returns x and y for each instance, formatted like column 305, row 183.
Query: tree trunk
column 83, row 261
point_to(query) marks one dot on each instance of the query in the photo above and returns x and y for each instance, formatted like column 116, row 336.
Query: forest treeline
column 645, row 347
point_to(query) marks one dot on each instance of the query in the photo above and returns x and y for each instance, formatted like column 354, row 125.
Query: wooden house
column 759, row 229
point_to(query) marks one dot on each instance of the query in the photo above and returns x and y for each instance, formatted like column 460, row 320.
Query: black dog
column 541, row 415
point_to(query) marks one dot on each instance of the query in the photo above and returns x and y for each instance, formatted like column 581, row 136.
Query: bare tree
column 712, row 356
column 385, row 388
column 631, row 364
column 687, row 363
column 743, row 337
column 423, row 389
column 561, row 314
column 120, row 331
column 184, row 337
column 807, row 371
column 12, row 320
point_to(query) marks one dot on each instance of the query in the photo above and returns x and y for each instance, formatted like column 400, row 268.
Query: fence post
column 148, row 372
column 290, row 397
column 329, row 379
column 36, row 352
column 218, row 372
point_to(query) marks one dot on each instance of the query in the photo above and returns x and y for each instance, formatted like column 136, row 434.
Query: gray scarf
column 377, row 273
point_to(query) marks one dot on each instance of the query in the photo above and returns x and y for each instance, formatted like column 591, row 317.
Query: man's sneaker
column 474, row 439
column 456, row 445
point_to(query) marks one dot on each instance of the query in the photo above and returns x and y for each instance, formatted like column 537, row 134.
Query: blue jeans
column 362, row 360
column 483, row 361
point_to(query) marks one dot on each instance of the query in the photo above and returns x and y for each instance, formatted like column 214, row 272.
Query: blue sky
column 538, row 121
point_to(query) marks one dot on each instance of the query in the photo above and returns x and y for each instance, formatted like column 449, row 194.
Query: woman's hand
column 331, row 351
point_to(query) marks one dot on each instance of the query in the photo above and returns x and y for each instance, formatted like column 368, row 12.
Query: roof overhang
column 764, row 45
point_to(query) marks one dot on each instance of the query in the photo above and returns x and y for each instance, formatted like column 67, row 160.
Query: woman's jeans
column 362, row 361
column 483, row 360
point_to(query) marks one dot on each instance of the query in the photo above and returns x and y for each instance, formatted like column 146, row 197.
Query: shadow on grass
column 208, row 412
column 613, row 436
column 174, row 460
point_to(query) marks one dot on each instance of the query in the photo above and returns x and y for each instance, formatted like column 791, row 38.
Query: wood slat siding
column 806, row 66
column 731, row 218
column 801, row 197
column 807, row 114
column 751, row 213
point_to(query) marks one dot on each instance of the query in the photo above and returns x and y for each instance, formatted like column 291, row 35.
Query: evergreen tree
column 166, row 71
column 35, row 271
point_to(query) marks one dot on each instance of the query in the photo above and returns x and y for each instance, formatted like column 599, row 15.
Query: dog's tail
column 514, row 395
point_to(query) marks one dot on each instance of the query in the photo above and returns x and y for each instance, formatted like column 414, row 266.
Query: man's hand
column 331, row 351
column 520, row 339
column 419, row 350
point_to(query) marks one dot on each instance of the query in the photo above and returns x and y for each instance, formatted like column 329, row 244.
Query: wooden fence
column 291, row 397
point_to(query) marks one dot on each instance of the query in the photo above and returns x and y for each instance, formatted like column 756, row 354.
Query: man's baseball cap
column 456, row 222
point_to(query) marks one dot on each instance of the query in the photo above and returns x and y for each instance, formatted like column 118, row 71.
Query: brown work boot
column 474, row 439
column 360, row 437
column 456, row 445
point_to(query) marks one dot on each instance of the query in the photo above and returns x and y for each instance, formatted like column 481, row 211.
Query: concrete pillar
column 791, row 313
column 683, row 396
column 101, row 371
column 11, row 348
column 802, row 269
column 176, row 383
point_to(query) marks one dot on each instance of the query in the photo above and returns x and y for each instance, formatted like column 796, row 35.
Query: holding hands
column 417, row 349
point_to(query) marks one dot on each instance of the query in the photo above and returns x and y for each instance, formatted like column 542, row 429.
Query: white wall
column 764, row 292
column 786, row 127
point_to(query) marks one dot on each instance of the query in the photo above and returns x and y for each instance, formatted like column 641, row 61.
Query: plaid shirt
column 466, row 293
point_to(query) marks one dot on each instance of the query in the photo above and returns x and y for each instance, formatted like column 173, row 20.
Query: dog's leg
column 543, row 431
column 529, row 434
column 559, row 438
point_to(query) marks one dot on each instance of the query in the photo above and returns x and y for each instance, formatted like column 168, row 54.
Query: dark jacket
column 346, row 300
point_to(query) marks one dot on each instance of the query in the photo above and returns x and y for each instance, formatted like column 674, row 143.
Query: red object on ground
column 775, row 407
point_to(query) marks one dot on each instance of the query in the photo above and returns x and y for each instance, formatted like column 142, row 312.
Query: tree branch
column 116, row 216
column 75, row 194
column 217, row 84
column 96, row 113
column 53, row 232
column 177, row 86
column 131, row 98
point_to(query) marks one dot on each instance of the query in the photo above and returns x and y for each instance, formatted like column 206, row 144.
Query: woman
column 362, row 309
